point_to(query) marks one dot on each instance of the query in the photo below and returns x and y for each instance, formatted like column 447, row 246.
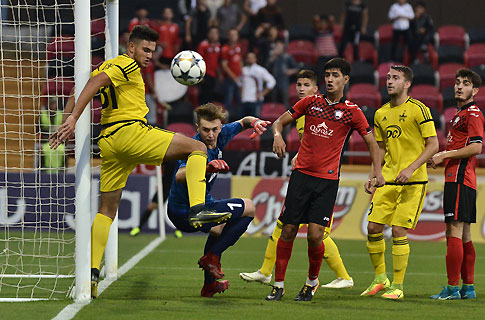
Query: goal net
column 37, row 184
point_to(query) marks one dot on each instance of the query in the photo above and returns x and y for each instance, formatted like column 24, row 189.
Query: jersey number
column 234, row 205
column 105, row 97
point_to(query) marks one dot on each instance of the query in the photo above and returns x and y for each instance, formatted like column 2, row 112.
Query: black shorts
column 459, row 203
column 309, row 199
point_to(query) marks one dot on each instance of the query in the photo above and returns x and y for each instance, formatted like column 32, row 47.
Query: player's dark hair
column 470, row 75
column 406, row 71
column 340, row 64
column 307, row 74
column 142, row 32
column 210, row 112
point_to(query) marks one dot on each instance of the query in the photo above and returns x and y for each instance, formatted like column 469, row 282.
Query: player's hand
column 63, row 133
column 279, row 146
column 217, row 166
column 293, row 161
column 369, row 186
column 259, row 127
column 404, row 175
column 436, row 160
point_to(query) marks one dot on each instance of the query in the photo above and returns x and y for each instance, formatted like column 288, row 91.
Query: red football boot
column 212, row 264
column 210, row 289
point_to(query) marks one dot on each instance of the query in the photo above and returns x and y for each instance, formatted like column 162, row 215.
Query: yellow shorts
column 125, row 145
column 397, row 205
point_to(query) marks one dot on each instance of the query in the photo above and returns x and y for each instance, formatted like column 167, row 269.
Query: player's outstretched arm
column 432, row 146
column 258, row 125
column 66, row 130
column 377, row 152
column 468, row 151
column 279, row 145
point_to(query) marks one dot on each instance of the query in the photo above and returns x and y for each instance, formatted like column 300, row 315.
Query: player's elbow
column 433, row 143
column 476, row 148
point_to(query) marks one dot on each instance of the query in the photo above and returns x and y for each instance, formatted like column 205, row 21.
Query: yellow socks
column 333, row 259
column 195, row 177
column 99, row 237
column 376, row 248
column 270, row 255
column 400, row 255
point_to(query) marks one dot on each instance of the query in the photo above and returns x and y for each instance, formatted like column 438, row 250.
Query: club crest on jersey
column 321, row 130
column 338, row 114
column 456, row 121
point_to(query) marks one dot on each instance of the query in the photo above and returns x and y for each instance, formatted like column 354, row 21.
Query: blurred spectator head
column 167, row 14
column 272, row 2
column 233, row 36
column 420, row 8
column 324, row 22
column 401, row 2
column 273, row 33
column 53, row 103
column 141, row 12
column 251, row 58
column 213, row 34
column 279, row 48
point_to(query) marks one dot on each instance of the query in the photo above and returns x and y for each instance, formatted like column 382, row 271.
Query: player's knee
column 373, row 228
column 249, row 208
column 398, row 231
column 217, row 230
column 289, row 232
column 198, row 146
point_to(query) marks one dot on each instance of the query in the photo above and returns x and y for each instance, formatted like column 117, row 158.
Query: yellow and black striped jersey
column 124, row 99
column 300, row 126
column 403, row 129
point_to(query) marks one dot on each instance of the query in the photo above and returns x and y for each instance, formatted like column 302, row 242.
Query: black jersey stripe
column 421, row 106
column 476, row 139
column 420, row 205
column 422, row 122
column 129, row 66
column 124, row 73
column 132, row 70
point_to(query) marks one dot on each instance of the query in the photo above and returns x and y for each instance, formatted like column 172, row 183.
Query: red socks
column 454, row 260
column 283, row 254
column 315, row 257
column 468, row 265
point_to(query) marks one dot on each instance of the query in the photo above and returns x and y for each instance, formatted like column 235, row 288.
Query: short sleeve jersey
column 210, row 53
column 124, row 98
column 403, row 129
column 233, row 57
column 466, row 127
column 179, row 194
column 327, row 127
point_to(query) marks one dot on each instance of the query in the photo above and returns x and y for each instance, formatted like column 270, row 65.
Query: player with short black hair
column 215, row 136
column 406, row 136
column 460, row 195
column 329, row 121
column 127, row 140
column 306, row 85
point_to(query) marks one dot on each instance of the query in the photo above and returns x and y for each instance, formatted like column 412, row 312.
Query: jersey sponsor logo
column 321, row 130
column 473, row 108
column 474, row 114
column 456, row 121
column 393, row 131
column 338, row 114
column 449, row 214
column 316, row 108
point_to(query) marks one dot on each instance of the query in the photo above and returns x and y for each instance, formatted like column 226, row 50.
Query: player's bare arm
column 432, row 146
column 279, row 145
column 468, row 151
column 377, row 151
column 66, row 130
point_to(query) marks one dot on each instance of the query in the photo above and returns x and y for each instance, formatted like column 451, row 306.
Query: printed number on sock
column 234, row 205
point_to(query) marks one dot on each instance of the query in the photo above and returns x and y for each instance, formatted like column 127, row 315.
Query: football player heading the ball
column 126, row 140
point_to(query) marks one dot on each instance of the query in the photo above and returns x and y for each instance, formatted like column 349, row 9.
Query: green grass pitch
column 166, row 285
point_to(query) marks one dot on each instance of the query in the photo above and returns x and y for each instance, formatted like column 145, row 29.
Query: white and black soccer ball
column 188, row 67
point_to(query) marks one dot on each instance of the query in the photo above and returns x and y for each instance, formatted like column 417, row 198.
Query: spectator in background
column 400, row 14
column 151, row 98
column 229, row 16
column 210, row 50
column 50, row 119
column 265, row 43
column 197, row 24
column 123, row 41
column 140, row 18
column 268, row 16
column 168, row 40
column 324, row 40
column 256, row 83
column 422, row 31
column 213, row 5
column 282, row 66
column 354, row 20
column 251, row 8
column 231, row 64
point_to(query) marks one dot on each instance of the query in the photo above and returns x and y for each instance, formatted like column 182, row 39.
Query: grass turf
column 166, row 285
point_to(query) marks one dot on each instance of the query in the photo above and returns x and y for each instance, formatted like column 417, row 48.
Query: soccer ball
column 188, row 67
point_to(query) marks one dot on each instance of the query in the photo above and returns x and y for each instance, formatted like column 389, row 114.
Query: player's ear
column 346, row 79
column 407, row 84
column 475, row 91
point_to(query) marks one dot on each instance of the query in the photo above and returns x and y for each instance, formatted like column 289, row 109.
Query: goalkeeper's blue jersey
column 179, row 195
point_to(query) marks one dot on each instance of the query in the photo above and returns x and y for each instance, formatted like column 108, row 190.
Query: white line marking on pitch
column 71, row 310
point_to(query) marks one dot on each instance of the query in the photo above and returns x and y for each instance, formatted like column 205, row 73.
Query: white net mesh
column 37, row 184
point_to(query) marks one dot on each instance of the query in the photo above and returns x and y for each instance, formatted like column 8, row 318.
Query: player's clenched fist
column 259, row 127
column 217, row 166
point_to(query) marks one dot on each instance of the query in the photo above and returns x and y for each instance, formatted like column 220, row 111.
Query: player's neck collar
column 468, row 105
column 342, row 100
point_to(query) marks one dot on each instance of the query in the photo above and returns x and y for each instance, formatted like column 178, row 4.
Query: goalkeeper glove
column 259, row 127
column 217, row 166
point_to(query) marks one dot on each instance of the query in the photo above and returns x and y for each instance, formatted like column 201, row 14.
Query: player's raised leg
column 196, row 153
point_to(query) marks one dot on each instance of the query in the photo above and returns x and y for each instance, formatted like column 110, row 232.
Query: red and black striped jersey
column 466, row 127
column 327, row 127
